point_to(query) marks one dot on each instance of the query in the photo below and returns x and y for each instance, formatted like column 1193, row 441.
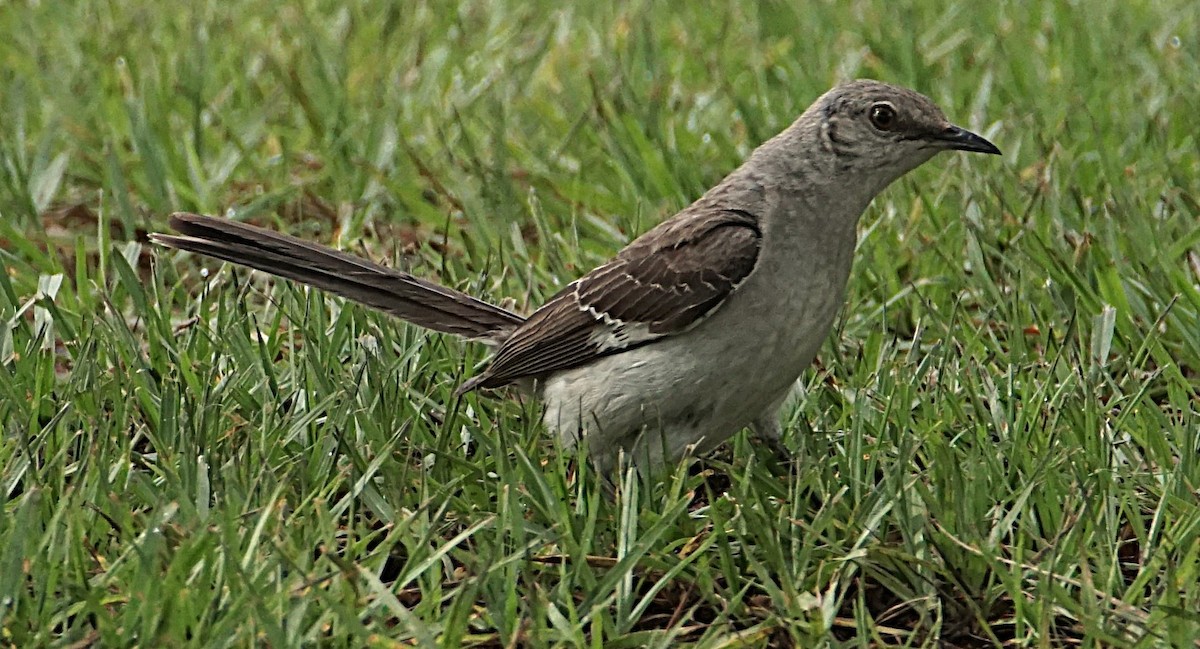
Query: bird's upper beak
column 960, row 139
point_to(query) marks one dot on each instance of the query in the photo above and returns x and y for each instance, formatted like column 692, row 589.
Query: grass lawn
column 999, row 445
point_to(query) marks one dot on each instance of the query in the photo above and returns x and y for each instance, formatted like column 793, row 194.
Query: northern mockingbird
column 698, row 328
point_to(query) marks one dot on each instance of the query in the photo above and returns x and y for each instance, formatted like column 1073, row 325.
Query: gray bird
column 698, row 328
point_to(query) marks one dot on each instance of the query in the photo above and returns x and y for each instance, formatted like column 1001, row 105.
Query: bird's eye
column 883, row 116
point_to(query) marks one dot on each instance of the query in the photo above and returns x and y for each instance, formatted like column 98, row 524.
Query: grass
column 1000, row 445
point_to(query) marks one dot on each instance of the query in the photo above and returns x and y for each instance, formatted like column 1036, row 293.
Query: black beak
column 960, row 139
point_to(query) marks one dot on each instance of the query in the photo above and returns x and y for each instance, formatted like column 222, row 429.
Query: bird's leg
column 767, row 429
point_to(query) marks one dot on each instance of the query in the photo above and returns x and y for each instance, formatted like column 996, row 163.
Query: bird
column 697, row 329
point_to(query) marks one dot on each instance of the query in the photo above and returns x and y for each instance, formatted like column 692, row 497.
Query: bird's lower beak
column 960, row 139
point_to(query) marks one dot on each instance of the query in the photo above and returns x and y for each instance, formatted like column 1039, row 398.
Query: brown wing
column 663, row 284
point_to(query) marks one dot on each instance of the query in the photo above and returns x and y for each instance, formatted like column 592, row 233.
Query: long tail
column 400, row 294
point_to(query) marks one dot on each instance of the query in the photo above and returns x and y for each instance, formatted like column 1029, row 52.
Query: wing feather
column 663, row 284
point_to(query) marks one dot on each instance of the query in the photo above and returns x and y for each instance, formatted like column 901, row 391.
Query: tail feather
column 395, row 292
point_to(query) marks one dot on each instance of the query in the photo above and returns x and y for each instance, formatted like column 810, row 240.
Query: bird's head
column 878, row 132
